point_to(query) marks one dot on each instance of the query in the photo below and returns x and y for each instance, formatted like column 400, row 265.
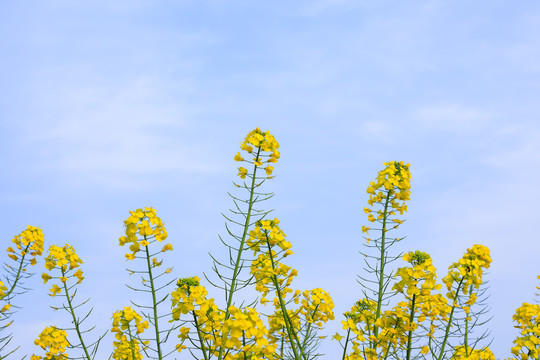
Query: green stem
column 467, row 327
column 383, row 263
column 346, row 343
column 199, row 335
column 450, row 320
column 239, row 255
column 18, row 276
column 288, row 323
column 154, row 302
column 131, row 344
column 75, row 321
column 409, row 337
column 308, row 330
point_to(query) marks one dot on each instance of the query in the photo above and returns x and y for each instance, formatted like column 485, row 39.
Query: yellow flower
column 46, row 277
column 55, row 341
column 257, row 161
column 55, row 290
column 269, row 169
column 242, row 172
column 167, row 248
column 238, row 157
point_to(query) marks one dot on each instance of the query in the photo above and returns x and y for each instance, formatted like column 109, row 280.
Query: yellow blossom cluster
column 126, row 324
column 246, row 333
column 422, row 270
column 148, row 225
column 267, row 233
column 243, row 333
column 417, row 283
column 468, row 270
column 462, row 353
column 278, row 324
column 359, row 320
column 527, row 344
column 30, row 241
column 390, row 192
column 64, row 259
column 269, row 273
column 54, row 340
column 190, row 297
column 263, row 142
column 317, row 306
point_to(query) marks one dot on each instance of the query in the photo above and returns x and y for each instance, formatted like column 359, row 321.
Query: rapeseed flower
column 148, row 225
column 54, row 340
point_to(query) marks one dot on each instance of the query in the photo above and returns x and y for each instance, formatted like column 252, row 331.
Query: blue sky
column 111, row 106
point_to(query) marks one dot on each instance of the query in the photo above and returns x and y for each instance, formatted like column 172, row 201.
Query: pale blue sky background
column 107, row 106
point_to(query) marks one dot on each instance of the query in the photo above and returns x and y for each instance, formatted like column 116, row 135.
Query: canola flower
column 264, row 147
column 28, row 244
column 464, row 275
column 269, row 245
column 146, row 224
column 64, row 264
column 127, row 325
column 417, row 282
column 259, row 151
column 388, row 195
column 142, row 229
column 461, row 353
column 240, row 332
column 54, row 340
column 29, row 241
column 527, row 344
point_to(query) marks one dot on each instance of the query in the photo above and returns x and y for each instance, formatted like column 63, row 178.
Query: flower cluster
column 246, row 333
column 390, row 192
column 359, row 321
column 54, row 340
column 190, row 297
column 146, row 224
column 126, row 325
column 317, row 306
column 422, row 270
column 64, row 259
column 269, row 273
column 462, row 353
column 263, row 142
column 468, row 271
column 527, row 345
column 28, row 241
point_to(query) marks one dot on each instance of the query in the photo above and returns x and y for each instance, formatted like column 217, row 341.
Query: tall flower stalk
column 64, row 264
column 144, row 231
column 27, row 246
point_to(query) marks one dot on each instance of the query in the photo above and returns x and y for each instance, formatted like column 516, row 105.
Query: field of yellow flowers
column 406, row 314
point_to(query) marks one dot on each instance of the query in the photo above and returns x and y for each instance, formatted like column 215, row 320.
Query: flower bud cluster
column 54, row 340
column 265, row 143
column 144, row 223
column 30, row 241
